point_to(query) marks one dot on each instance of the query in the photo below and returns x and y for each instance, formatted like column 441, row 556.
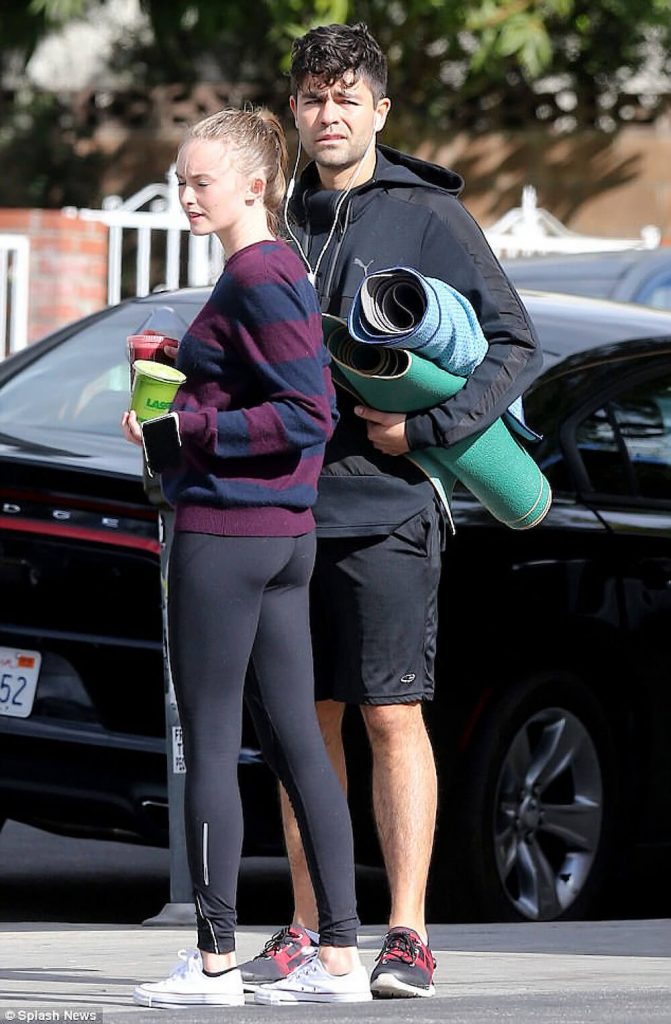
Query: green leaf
column 58, row 11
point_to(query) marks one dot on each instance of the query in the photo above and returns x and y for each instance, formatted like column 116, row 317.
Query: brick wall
column 68, row 266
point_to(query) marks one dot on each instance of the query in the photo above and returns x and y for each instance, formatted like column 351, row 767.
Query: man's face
column 337, row 123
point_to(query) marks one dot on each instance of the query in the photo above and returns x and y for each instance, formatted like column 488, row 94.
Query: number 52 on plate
column 19, row 671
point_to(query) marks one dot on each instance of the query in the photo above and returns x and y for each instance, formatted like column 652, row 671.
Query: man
column 359, row 208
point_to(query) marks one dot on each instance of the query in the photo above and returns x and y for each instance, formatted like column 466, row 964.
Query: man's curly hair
column 329, row 52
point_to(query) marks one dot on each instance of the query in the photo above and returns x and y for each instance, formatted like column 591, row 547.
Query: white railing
column 202, row 261
column 528, row 230
column 14, row 277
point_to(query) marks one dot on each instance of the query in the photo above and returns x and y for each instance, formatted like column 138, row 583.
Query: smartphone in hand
column 162, row 443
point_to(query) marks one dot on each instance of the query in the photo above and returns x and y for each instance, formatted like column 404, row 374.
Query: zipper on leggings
column 206, row 866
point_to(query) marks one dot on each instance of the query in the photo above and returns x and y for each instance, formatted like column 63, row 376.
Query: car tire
column 536, row 807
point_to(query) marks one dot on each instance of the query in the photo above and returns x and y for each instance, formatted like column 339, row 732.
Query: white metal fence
column 158, row 252
column 14, row 277
column 528, row 230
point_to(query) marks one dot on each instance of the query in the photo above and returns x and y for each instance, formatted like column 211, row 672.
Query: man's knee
column 389, row 725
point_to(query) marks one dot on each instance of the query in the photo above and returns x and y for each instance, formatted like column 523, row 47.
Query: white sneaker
column 188, row 986
column 312, row 983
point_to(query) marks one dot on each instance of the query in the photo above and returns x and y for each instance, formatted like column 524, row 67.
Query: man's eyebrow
column 315, row 92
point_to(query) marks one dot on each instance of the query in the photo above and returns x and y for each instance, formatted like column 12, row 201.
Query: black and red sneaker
column 282, row 954
column 405, row 967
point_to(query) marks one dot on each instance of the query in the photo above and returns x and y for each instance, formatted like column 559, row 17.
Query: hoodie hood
column 396, row 167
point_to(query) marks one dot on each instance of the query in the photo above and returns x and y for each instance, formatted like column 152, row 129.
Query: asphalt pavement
column 72, row 948
column 560, row 973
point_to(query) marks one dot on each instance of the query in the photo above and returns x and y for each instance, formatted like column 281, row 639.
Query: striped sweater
column 258, row 405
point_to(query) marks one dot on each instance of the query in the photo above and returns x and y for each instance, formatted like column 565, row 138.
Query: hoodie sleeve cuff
column 419, row 431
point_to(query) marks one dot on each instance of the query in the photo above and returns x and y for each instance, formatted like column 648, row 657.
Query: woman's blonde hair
column 258, row 140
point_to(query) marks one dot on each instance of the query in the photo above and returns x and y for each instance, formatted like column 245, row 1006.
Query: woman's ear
column 255, row 190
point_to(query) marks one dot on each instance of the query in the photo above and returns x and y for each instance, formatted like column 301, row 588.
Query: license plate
column 18, row 681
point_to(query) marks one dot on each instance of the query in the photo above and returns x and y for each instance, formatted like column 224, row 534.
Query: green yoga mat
column 492, row 464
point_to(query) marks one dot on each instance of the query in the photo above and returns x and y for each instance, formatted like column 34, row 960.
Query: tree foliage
column 479, row 64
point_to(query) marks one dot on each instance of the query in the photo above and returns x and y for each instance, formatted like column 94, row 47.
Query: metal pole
column 143, row 265
column 18, row 331
column 180, row 910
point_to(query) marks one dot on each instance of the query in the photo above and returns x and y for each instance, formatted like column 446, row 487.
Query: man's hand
column 386, row 430
column 131, row 428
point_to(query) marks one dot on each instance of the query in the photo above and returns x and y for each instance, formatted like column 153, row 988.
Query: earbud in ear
column 378, row 122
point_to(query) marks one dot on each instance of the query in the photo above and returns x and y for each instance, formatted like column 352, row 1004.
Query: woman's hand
column 131, row 428
column 171, row 350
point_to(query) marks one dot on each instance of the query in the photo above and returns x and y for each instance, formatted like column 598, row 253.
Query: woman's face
column 212, row 192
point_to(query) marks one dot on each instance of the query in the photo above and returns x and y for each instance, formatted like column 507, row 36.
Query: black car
column 553, row 707
column 630, row 275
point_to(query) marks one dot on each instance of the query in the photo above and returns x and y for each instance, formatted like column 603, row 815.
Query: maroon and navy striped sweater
column 258, row 404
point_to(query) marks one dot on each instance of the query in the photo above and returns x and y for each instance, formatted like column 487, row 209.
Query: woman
column 253, row 417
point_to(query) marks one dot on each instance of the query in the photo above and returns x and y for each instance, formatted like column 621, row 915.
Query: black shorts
column 374, row 607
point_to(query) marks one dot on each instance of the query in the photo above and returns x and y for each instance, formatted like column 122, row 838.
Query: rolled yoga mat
column 400, row 308
column 492, row 464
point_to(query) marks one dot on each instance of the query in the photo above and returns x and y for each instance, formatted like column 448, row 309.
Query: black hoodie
column 408, row 214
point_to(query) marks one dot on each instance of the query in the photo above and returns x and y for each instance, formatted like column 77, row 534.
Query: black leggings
column 234, row 602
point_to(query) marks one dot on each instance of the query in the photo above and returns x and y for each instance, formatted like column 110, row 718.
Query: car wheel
column 537, row 805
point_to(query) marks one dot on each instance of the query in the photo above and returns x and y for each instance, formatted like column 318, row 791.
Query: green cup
column 154, row 387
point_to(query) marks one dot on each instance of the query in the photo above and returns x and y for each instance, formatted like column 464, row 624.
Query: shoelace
column 190, row 958
column 276, row 941
column 400, row 945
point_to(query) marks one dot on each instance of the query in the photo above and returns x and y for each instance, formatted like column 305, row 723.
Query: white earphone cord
column 312, row 274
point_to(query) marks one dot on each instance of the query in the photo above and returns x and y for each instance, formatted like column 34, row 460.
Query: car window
column 626, row 445
column 585, row 286
column 558, row 278
column 81, row 384
column 657, row 292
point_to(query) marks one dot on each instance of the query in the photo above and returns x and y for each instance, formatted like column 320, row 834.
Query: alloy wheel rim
column 548, row 814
